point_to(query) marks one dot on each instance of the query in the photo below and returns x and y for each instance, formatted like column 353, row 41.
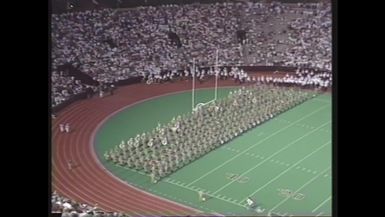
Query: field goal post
column 201, row 104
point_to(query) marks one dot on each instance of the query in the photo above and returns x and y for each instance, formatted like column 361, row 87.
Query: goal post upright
column 193, row 106
column 193, row 86
column 216, row 77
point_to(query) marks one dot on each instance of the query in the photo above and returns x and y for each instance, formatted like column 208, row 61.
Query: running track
column 89, row 182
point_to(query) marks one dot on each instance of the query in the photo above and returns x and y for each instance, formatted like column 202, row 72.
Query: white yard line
column 275, row 153
column 288, row 169
column 303, row 125
column 252, row 146
column 304, row 185
column 219, row 197
column 327, row 199
column 275, row 161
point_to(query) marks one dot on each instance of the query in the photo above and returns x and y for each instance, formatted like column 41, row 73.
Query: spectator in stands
column 135, row 42
column 71, row 208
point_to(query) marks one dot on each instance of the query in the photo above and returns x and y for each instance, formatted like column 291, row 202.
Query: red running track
column 89, row 182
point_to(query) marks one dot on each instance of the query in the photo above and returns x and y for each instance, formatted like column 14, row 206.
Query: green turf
column 291, row 151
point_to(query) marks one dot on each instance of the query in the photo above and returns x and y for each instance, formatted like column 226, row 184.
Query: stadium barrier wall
column 138, row 79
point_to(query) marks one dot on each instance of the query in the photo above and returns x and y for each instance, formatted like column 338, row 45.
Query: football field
column 283, row 164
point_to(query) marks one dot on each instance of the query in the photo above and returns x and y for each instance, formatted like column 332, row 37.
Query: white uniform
column 61, row 126
column 250, row 202
column 150, row 143
column 260, row 210
column 164, row 141
column 67, row 128
column 70, row 165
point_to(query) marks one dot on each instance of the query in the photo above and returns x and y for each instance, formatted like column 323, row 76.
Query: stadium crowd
column 112, row 45
column 70, row 208
column 304, row 78
column 63, row 87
